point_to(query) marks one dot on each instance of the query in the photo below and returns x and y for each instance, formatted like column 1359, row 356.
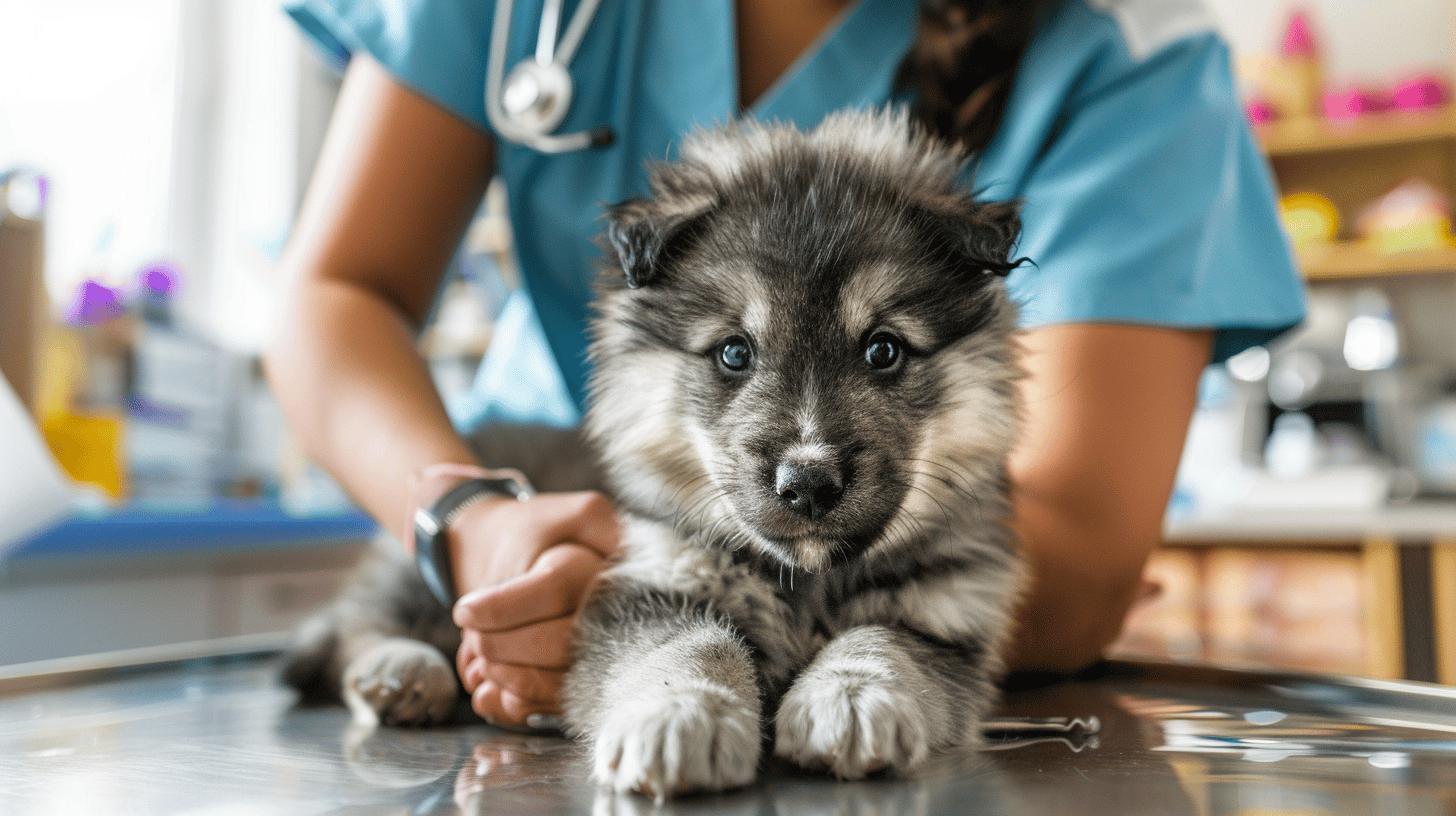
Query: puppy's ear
column 639, row 234
column 985, row 234
column 995, row 229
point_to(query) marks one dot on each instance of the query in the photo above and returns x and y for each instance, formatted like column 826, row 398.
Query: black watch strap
column 432, row 525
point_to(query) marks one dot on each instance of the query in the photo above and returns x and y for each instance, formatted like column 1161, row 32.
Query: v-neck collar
column 846, row 61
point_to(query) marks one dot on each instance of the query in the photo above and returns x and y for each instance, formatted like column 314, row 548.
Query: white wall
column 170, row 129
column 1364, row 41
column 86, row 96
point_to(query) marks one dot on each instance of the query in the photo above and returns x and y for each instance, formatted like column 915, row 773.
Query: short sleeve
column 436, row 48
column 1151, row 204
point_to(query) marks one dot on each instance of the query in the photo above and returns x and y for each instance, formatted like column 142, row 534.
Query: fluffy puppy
column 803, row 398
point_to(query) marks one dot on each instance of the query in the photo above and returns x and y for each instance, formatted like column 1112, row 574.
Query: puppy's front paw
column 400, row 682
column 850, row 725
column 700, row 738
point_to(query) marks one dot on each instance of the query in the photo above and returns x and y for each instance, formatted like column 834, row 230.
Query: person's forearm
column 1085, row 574
column 357, row 394
column 1106, row 412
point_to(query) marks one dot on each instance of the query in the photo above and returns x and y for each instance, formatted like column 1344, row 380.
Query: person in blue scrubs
column 1148, row 211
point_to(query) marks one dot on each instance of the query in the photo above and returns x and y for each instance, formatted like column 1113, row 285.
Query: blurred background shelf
column 1368, row 591
column 1423, row 520
column 1309, row 136
column 1350, row 260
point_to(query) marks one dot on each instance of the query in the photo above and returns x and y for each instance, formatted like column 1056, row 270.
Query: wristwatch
column 432, row 526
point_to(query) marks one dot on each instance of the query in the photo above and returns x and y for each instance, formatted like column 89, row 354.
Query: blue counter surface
column 220, row 524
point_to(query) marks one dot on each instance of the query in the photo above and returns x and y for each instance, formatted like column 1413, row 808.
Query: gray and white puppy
column 804, row 398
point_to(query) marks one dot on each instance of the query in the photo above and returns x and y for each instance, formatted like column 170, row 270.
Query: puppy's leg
column 665, row 692
column 882, row 697
column 399, row 681
column 384, row 647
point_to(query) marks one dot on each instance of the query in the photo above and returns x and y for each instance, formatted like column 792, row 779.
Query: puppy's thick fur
column 804, row 397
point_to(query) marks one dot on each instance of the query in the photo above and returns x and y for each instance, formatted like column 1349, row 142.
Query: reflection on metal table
column 222, row 736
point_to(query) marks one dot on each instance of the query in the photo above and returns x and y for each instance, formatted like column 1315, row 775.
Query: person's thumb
column 552, row 588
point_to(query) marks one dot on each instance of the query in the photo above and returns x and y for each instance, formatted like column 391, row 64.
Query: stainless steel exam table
column 220, row 736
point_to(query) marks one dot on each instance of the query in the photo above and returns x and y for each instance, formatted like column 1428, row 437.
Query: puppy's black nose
column 810, row 489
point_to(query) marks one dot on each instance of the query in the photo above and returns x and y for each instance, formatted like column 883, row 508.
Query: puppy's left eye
column 735, row 355
column 883, row 351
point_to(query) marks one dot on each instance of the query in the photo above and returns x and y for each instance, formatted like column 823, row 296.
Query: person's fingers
column 468, row 653
column 586, row 518
column 551, row 589
column 545, row 645
column 526, row 682
column 486, row 702
column 501, row 707
column 475, row 674
column 517, row 709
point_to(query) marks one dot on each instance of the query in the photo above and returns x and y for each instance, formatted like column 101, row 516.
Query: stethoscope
column 529, row 104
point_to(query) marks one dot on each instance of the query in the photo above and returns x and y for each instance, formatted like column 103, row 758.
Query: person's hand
column 524, row 568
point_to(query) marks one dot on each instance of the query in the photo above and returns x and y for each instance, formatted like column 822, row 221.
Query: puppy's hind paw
column 699, row 738
column 400, row 682
column 851, row 726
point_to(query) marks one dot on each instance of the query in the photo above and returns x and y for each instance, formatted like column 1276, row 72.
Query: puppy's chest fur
column 787, row 617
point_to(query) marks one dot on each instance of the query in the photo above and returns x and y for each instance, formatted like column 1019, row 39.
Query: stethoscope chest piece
column 528, row 104
column 537, row 96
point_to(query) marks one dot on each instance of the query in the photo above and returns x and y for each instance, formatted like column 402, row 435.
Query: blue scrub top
column 1145, row 198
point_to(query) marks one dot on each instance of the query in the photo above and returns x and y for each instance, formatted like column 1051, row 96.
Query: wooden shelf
column 1309, row 136
column 1347, row 260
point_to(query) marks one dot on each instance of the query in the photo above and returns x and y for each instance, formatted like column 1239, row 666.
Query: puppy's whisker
column 958, row 490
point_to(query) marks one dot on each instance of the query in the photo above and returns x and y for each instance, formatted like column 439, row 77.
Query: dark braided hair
column 961, row 67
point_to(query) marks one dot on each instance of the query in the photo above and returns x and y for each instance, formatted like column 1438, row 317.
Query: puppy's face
column 803, row 356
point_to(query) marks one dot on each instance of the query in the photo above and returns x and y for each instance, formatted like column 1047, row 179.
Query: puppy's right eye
column 735, row 356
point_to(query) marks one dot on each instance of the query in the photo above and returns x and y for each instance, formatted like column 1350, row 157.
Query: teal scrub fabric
column 1145, row 198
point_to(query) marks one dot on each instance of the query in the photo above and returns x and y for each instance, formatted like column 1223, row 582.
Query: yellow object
column 1431, row 234
column 63, row 369
column 1310, row 219
column 1414, row 216
column 1297, row 91
column 88, row 447
column 1291, row 85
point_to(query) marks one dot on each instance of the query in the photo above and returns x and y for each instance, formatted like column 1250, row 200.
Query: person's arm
column 1106, row 411
column 398, row 181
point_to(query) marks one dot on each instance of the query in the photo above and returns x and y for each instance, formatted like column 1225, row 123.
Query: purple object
column 159, row 279
column 140, row 408
column 94, row 302
column 1421, row 92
